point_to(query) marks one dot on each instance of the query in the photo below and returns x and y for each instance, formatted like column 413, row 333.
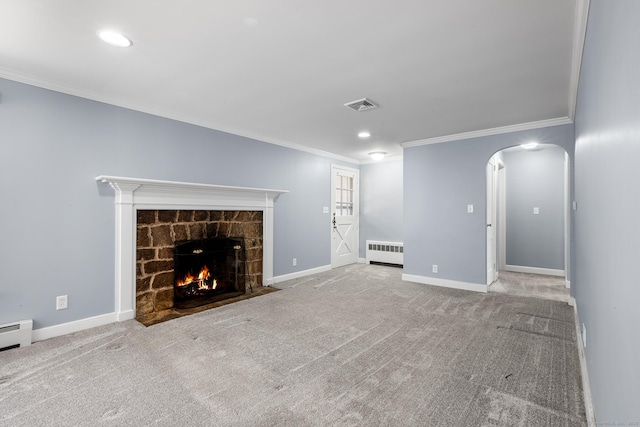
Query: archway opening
column 527, row 221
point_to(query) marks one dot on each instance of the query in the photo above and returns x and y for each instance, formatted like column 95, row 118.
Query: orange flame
column 204, row 273
column 202, row 277
column 187, row 279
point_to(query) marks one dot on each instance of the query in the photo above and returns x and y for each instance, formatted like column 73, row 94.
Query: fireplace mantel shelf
column 134, row 184
column 133, row 194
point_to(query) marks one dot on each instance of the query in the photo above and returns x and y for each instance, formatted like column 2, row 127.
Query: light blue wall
column 380, row 202
column 535, row 179
column 440, row 180
column 608, row 196
column 58, row 235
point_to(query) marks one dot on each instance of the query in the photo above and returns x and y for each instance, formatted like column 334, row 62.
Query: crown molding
column 167, row 114
column 488, row 132
column 579, row 35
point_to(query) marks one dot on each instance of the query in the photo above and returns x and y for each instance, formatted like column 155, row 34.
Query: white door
column 344, row 215
column 491, row 220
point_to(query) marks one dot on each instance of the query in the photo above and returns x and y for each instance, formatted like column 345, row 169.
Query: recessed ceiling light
column 364, row 134
column 378, row 155
column 529, row 145
column 114, row 38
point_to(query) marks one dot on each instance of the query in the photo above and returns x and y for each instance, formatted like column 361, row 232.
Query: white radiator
column 16, row 334
column 387, row 252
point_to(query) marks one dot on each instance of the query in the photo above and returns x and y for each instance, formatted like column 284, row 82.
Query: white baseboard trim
column 362, row 261
column 586, row 389
column 75, row 326
column 445, row 283
column 298, row 274
column 534, row 270
column 125, row 315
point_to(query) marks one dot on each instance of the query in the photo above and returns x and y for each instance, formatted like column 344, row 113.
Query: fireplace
column 208, row 270
column 135, row 195
column 180, row 253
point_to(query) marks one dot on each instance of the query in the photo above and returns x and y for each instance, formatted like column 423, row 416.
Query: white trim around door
column 345, row 215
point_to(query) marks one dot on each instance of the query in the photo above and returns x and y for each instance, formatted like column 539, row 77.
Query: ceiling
column 281, row 70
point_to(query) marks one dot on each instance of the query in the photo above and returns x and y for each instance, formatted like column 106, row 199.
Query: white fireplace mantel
column 133, row 194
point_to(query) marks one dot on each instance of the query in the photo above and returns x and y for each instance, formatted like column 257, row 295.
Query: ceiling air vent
column 361, row 104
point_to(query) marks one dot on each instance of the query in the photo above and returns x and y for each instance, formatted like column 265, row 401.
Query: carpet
column 355, row 346
column 533, row 285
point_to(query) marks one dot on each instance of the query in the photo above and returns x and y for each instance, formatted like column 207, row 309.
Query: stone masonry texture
column 159, row 230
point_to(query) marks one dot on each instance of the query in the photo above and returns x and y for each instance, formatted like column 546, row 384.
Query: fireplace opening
column 208, row 270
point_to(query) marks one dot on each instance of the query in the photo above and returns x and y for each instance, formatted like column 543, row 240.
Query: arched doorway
column 527, row 211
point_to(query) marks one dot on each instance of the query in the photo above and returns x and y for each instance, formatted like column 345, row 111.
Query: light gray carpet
column 531, row 285
column 352, row 347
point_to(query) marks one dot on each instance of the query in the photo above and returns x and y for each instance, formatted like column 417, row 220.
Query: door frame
column 492, row 219
column 501, row 247
column 356, row 209
column 502, row 216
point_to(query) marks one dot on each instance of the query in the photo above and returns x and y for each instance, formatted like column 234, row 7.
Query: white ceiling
column 281, row 70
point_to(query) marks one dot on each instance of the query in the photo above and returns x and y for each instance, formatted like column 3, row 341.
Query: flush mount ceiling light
column 378, row 155
column 114, row 38
column 529, row 145
column 364, row 134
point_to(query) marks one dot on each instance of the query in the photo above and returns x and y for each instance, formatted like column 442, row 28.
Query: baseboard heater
column 16, row 334
column 384, row 252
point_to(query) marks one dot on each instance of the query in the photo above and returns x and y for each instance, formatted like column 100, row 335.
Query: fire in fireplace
column 208, row 270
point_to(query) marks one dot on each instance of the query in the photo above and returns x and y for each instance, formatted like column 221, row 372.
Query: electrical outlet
column 295, row 262
column 434, row 268
column 536, row 211
column 62, row 302
column 469, row 208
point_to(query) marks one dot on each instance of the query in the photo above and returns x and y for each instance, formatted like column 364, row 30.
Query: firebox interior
column 208, row 270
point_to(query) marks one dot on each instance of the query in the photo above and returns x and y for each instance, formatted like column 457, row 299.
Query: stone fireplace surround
column 133, row 194
column 157, row 233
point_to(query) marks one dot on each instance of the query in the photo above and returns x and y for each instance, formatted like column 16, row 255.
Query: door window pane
column 344, row 195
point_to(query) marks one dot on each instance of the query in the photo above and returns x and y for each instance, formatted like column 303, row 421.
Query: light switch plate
column 469, row 208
